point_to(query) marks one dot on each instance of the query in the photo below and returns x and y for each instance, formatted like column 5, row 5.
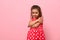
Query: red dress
column 36, row 33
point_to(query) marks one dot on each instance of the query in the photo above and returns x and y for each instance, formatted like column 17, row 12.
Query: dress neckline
column 33, row 19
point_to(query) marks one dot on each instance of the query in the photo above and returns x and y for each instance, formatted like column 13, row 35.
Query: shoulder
column 41, row 17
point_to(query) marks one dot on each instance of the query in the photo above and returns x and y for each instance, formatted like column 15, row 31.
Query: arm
column 31, row 23
column 35, row 23
column 38, row 23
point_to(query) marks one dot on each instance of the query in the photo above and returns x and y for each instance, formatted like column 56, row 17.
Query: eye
column 32, row 12
column 36, row 12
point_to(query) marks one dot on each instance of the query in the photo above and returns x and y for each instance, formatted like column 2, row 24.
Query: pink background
column 15, row 14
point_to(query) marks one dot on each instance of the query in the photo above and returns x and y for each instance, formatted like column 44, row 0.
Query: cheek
column 36, row 14
column 32, row 14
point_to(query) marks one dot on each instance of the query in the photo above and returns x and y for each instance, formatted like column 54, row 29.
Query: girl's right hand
column 40, row 19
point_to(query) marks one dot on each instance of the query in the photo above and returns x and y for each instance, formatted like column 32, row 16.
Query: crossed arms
column 35, row 23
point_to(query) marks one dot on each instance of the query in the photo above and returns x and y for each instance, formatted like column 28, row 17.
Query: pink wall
column 15, row 14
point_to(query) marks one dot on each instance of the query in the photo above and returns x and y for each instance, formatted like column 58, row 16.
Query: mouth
column 34, row 16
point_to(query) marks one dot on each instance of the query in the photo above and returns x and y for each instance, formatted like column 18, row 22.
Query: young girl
column 36, row 24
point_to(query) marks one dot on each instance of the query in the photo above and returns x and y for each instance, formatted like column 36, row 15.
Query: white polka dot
column 30, row 34
column 36, row 38
column 33, row 34
column 42, row 38
column 36, row 31
column 30, row 37
column 36, row 34
column 33, row 37
column 42, row 34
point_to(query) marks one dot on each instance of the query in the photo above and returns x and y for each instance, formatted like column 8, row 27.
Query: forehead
column 34, row 10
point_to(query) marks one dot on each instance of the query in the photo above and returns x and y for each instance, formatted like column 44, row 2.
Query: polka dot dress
column 36, row 33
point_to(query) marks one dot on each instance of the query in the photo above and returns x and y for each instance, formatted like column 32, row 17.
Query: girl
column 36, row 24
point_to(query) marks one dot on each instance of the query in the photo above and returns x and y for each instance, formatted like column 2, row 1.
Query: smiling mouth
column 34, row 16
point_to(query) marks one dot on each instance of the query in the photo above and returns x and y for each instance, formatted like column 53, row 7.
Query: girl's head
column 36, row 11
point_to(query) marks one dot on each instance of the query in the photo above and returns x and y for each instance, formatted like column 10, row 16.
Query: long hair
column 38, row 8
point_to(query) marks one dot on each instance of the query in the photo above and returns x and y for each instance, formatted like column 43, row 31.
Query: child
column 36, row 24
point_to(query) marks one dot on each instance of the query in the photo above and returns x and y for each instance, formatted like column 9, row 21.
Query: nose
column 34, row 14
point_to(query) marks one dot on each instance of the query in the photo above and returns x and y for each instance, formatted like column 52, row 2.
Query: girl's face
column 35, row 13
